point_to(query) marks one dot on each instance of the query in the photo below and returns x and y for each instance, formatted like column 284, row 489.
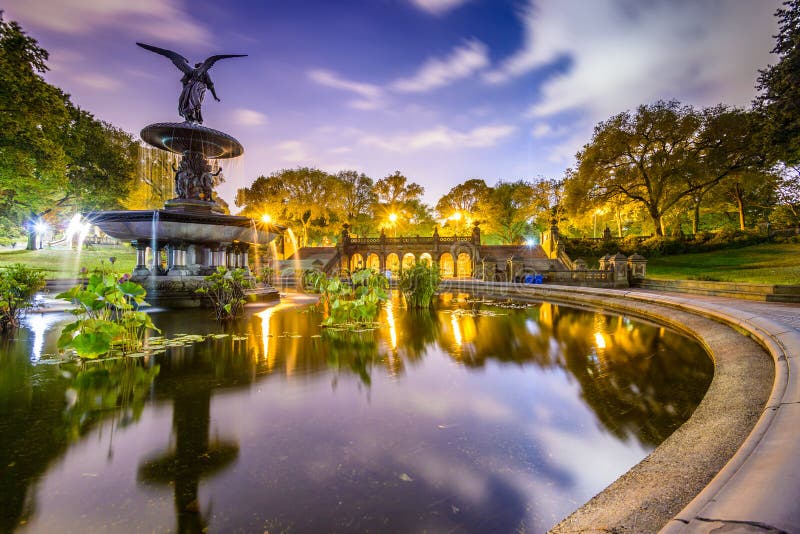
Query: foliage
column 109, row 316
column 18, row 286
column 350, row 304
column 509, row 208
column 464, row 198
column 419, row 283
column 226, row 290
column 358, row 199
column 664, row 153
column 780, row 87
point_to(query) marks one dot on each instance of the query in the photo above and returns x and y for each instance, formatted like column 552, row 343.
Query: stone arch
column 373, row 262
column 426, row 258
column 409, row 260
column 464, row 264
column 356, row 261
column 392, row 262
column 447, row 265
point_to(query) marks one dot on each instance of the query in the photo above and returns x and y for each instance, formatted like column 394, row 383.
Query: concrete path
column 759, row 488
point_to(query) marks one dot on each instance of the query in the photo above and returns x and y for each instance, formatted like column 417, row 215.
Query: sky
column 441, row 90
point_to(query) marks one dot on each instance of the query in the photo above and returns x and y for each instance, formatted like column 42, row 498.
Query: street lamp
column 266, row 218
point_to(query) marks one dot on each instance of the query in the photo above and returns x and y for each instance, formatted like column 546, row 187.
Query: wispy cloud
column 370, row 94
column 462, row 62
column 294, row 151
column 442, row 137
column 98, row 81
column 437, row 7
column 165, row 20
column 249, row 117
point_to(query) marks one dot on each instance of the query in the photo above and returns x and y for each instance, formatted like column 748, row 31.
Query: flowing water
column 470, row 417
column 298, row 266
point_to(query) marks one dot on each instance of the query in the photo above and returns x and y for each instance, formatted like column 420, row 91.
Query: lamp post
column 393, row 220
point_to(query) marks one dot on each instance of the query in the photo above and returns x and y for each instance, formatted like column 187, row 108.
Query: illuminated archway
column 446, row 265
column 393, row 262
column 373, row 262
column 426, row 258
column 464, row 264
column 356, row 262
column 409, row 260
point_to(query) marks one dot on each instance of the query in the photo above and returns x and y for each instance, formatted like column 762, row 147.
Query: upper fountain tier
column 182, row 137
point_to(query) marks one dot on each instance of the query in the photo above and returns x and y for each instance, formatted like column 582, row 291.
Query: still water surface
column 469, row 418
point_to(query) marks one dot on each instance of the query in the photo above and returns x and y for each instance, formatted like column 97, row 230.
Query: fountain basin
column 207, row 228
column 180, row 137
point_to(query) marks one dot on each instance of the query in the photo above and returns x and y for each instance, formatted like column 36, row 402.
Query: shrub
column 109, row 316
column 419, row 283
column 18, row 286
column 226, row 289
column 350, row 304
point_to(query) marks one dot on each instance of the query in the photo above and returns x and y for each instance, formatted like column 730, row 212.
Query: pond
column 473, row 417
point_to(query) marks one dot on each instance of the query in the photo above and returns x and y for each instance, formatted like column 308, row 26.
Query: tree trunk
column 696, row 217
column 31, row 240
column 618, row 218
column 737, row 192
column 658, row 221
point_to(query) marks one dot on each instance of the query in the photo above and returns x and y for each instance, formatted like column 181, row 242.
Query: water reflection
column 427, row 447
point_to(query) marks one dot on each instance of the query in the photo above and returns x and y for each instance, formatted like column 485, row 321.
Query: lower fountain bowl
column 180, row 137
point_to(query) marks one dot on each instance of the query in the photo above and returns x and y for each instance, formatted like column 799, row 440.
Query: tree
column 662, row 154
column 780, row 86
column 509, row 208
column 33, row 119
column 358, row 198
column 397, row 196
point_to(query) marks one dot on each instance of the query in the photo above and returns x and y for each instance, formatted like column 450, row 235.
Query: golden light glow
column 265, row 317
column 456, row 330
column 266, row 218
column 456, row 216
column 393, row 217
column 392, row 326
column 599, row 340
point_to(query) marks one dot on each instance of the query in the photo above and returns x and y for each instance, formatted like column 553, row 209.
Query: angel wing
column 179, row 61
column 213, row 59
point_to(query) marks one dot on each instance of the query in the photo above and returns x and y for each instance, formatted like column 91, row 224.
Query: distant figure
column 195, row 81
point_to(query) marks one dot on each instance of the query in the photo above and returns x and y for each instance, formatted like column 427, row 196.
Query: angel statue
column 195, row 81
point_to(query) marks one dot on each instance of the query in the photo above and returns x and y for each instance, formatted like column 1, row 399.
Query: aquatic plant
column 226, row 290
column 353, row 303
column 419, row 283
column 18, row 286
column 108, row 313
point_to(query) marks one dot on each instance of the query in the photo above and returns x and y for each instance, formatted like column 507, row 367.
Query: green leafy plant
column 419, row 283
column 226, row 291
column 353, row 303
column 18, row 286
column 108, row 313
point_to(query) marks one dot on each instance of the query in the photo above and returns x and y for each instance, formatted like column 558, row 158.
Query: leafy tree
column 508, row 209
column 787, row 210
column 33, row 119
column 662, row 154
column 397, row 196
column 780, row 86
column 358, row 197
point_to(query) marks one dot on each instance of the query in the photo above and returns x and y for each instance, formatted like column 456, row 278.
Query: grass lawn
column 62, row 263
column 760, row 264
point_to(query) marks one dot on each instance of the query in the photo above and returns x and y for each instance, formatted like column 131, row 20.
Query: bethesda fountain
column 191, row 236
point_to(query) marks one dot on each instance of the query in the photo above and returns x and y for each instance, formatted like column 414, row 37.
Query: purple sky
column 442, row 90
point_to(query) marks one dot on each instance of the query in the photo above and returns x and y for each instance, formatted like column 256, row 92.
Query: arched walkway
column 393, row 262
column 464, row 265
column 374, row 262
column 409, row 260
column 356, row 262
column 446, row 265
column 426, row 258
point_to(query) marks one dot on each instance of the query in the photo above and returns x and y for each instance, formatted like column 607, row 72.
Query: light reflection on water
column 487, row 419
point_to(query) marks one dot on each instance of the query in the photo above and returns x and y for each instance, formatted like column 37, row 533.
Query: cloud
column 165, row 20
column 249, row 117
column 620, row 54
column 370, row 94
column 438, row 7
column 442, row 137
column 463, row 61
column 340, row 150
column 98, row 81
column 294, row 151
column 542, row 129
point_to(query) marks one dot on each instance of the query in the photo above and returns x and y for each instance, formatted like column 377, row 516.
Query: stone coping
column 735, row 464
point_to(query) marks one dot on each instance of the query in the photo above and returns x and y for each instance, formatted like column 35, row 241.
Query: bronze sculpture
column 195, row 81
